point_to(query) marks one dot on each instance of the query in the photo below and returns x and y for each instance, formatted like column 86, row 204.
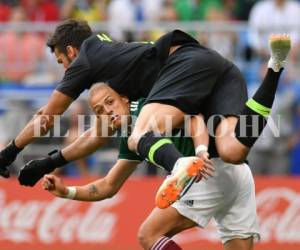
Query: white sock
column 276, row 65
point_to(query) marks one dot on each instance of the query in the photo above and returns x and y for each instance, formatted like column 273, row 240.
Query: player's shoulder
column 97, row 39
column 89, row 40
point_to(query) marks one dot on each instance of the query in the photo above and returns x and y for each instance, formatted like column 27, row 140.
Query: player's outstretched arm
column 95, row 191
column 39, row 125
column 87, row 143
column 44, row 118
column 83, row 146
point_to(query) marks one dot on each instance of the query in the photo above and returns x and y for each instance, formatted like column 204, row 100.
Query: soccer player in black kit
column 176, row 74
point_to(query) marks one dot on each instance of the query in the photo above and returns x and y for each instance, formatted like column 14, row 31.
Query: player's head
column 67, row 38
column 105, row 101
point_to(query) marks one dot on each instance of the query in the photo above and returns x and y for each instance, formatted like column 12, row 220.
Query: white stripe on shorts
column 160, row 243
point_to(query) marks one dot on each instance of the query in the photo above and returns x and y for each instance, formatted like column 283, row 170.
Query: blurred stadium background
column 238, row 29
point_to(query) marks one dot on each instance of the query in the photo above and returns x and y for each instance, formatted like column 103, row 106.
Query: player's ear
column 125, row 99
column 72, row 52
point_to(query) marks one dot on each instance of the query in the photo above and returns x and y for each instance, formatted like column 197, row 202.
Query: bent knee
column 232, row 156
column 133, row 141
column 144, row 238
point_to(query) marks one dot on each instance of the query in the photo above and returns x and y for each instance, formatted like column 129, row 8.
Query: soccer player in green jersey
column 205, row 200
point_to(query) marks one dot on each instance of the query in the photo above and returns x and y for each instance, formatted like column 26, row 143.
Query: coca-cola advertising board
column 33, row 219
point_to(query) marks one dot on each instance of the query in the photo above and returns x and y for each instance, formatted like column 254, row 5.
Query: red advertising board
column 31, row 218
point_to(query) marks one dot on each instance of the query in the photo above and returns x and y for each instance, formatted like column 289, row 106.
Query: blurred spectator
column 41, row 10
column 48, row 72
column 90, row 10
column 5, row 9
column 226, row 47
column 12, row 120
column 121, row 15
column 222, row 41
column 81, row 166
column 124, row 14
column 295, row 140
column 168, row 12
column 188, row 10
column 271, row 16
column 152, row 10
column 242, row 9
column 23, row 50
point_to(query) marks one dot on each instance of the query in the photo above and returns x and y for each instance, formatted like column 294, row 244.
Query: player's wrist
column 200, row 149
column 12, row 149
column 57, row 158
column 15, row 147
column 70, row 193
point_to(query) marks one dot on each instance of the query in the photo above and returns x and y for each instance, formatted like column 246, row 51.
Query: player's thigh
column 225, row 104
column 238, row 218
column 229, row 148
column 162, row 222
column 187, row 79
column 157, row 117
column 239, row 244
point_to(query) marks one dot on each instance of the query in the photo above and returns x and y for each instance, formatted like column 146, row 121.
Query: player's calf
column 258, row 108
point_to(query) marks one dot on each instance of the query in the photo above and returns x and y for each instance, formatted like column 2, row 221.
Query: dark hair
column 71, row 32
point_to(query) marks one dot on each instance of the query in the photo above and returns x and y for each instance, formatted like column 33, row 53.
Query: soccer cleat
column 280, row 46
column 173, row 187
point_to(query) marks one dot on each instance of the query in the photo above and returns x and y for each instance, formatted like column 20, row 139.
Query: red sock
column 165, row 243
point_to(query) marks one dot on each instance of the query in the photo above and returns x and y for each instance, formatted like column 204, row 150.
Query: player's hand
column 54, row 185
column 208, row 169
column 34, row 170
column 7, row 157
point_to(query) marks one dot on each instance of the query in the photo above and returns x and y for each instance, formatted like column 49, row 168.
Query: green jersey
column 184, row 144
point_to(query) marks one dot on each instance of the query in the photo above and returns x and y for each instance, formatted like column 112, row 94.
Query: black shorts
column 199, row 80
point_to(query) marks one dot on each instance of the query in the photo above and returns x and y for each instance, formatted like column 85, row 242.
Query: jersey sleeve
column 77, row 77
column 125, row 153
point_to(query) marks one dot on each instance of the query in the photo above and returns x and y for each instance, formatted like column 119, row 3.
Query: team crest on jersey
column 134, row 106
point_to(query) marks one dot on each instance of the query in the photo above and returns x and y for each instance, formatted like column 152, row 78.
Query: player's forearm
column 44, row 119
column 95, row 191
column 199, row 131
column 36, row 127
column 84, row 145
column 108, row 186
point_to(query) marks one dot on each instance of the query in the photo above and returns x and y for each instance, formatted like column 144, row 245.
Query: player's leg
column 229, row 148
column 234, row 136
column 188, row 77
column 160, row 150
column 196, row 208
column 154, row 120
column 239, row 244
column 184, row 83
column 237, row 219
column 156, row 231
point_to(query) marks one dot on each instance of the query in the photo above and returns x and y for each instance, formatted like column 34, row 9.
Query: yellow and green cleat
column 280, row 45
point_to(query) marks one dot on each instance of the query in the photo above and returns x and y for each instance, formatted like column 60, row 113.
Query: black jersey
column 114, row 63
column 131, row 69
